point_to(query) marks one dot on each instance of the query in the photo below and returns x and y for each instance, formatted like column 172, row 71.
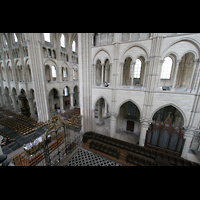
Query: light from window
column 73, row 46
column 166, row 68
column 62, row 41
column 15, row 37
column 64, row 73
column 47, row 37
column 137, row 69
column 53, row 72
column 66, row 91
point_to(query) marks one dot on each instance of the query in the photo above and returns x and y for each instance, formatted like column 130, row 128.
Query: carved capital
column 113, row 114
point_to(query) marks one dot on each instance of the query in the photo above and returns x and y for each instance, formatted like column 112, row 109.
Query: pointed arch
column 98, row 98
column 174, row 105
column 125, row 101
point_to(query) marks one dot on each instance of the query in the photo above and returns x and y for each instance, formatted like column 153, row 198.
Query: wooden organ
column 165, row 136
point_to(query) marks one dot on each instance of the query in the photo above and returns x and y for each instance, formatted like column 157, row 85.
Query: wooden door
column 130, row 126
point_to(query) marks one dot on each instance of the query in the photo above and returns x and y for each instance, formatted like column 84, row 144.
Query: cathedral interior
column 119, row 98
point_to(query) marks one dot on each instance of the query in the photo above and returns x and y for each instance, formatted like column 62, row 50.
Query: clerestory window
column 15, row 37
column 47, row 37
column 62, row 41
column 74, row 46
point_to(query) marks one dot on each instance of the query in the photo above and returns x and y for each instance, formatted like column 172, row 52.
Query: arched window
column 47, row 37
column 62, row 41
column 166, row 68
column 64, row 72
column 66, row 91
column 74, row 46
column 15, row 37
column 53, row 72
column 137, row 69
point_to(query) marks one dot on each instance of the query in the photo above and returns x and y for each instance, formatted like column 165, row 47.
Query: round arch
column 145, row 54
column 128, row 56
column 174, row 105
column 105, row 56
column 190, row 51
column 176, row 56
column 191, row 40
column 50, row 63
column 106, row 60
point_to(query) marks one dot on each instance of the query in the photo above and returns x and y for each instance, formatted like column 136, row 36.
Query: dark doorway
column 130, row 126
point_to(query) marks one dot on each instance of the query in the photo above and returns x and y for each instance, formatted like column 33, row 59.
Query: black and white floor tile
column 84, row 157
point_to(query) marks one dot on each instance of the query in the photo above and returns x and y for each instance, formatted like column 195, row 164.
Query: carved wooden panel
column 165, row 135
column 154, row 139
column 164, row 139
column 173, row 142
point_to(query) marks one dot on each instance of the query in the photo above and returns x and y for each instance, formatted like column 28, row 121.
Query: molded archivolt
column 181, row 47
column 171, row 104
column 101, row 55
column 135, row 51
column 50, row 63
column 118, row 109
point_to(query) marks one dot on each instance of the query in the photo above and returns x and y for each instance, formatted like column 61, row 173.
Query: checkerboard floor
column 84, row 157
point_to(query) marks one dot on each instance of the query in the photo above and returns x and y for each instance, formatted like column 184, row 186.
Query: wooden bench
column 104, row 149
column 34, row 161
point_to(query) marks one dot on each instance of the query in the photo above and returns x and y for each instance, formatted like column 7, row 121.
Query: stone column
column 188, row 138
column 1, row 99
column 159, row 74
column 196, row 78
column 146, row 73
column 102, row 70
column 144, row 128
column 113, row 120
column 95, row 74
column 192, row 78
column 106, row 72
column 15, row 103
column 9, row 106
column 175, row 74
column 132, row 75
column 61, row 103
column 1, row 138
column 85, row 58
column 35, row 49
column 71, row 100
column 100, row 118
column 106, row 110
column 30, row 102
column 121, row 64
column 111, row 79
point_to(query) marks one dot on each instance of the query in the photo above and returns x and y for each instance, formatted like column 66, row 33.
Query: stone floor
column 121, row 135
column 19, row 140
column 84, row 157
